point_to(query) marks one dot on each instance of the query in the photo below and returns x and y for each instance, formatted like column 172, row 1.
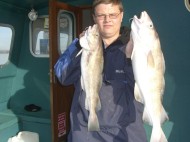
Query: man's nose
column 107, row 18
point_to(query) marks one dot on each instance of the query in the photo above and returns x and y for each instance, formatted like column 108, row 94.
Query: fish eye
column 151, row 26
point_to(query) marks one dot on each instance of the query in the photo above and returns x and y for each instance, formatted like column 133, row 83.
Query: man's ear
column 122, row 16
column 94, row 18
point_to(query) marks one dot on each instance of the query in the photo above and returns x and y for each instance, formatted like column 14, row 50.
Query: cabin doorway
column 64, row 20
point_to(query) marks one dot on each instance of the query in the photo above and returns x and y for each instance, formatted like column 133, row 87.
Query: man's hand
column 129, row 48
column 82, row 34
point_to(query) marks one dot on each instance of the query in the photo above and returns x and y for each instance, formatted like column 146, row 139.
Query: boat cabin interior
column 34, row 33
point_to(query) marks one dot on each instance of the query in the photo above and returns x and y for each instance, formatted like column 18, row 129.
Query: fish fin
column 93, row 123
column 150, row 60
column 82, row 83
column 164, row 115
column 146, row 116
column 79, row 52
column 86, row 104
column 137, row 94
column 83, row 88
column 98, row 107
column 158, row 135
column 163, row 63
column 132, row 54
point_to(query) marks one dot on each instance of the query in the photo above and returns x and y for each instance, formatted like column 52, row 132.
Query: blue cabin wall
column 9, row 71
column 172, row 21
column 31, row 85
column 25, row 80
column 24, row 70
column 9, row 125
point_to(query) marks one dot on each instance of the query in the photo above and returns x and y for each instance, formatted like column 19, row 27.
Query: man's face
column 109, row 18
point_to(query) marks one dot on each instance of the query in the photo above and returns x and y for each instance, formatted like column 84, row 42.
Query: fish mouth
column 90, row 36
column 144, row 17
column 93, row 29
column 141, row 17
column 138, row 21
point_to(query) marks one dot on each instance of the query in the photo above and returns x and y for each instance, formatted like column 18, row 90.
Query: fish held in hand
column 91, row 73
column 149, row 68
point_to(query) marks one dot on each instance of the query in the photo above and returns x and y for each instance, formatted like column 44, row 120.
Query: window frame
column 11, row 44
column 67, row 13
column 31, row 39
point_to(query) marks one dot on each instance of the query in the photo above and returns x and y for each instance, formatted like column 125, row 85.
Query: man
column 120, row 117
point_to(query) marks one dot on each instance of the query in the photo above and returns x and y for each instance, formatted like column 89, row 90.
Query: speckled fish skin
column 149, row 67
column 91, row 73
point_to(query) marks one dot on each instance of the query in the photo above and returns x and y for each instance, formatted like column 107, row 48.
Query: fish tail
column 158, row 135
column 98, row 107
column 93, row 123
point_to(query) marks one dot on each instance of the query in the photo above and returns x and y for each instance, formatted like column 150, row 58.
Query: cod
column 91, row 73
column 149, row 68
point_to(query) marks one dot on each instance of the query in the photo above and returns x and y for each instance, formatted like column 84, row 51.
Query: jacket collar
column 122, row 39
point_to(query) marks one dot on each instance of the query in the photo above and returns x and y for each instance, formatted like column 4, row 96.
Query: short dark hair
column 114, row 2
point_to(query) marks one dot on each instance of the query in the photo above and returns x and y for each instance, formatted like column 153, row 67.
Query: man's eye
column 100, row 16
column 113, row 15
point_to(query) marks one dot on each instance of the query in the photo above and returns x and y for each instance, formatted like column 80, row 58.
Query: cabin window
column 39, row 34
column 6, row 36
column 66, row 22
column 39, row 37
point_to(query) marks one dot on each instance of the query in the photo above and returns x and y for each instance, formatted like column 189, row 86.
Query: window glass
column 66, row 29
column 39, row 37
column 6, row 35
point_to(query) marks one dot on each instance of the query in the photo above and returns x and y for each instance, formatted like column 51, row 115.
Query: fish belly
column 149, row 86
